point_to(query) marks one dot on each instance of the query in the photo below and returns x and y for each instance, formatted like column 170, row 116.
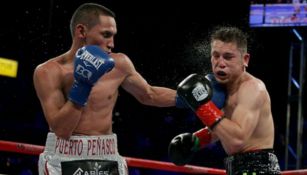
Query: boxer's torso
column 96, row 117
column 263, row 135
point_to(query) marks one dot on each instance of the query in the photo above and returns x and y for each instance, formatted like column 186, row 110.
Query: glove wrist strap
column 204, row 137
column 180, row 102
column 209, row 114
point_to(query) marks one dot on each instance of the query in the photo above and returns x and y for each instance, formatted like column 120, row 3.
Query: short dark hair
column 231, row 34
column 88, row 14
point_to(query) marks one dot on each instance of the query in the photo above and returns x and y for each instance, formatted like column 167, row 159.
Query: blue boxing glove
column 180, row 103
column 218, row 97
column 91, row 62
column 219, row 92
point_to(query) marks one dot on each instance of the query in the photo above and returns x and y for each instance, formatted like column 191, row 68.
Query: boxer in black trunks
column 244, row 125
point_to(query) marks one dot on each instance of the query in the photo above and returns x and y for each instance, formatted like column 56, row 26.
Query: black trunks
column 262, row 161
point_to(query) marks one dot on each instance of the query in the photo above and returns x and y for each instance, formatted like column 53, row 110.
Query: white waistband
column 104, row 146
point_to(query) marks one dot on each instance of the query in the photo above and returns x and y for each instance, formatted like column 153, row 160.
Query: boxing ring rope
column 30, row 149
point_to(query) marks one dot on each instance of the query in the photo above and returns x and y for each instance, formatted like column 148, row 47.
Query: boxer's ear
column 80, row 31
column 246, row 59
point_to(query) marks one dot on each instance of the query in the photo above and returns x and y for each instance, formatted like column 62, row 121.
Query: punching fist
column 91, row 62
column 218, row 94
column 182, row 148
column 197, row 92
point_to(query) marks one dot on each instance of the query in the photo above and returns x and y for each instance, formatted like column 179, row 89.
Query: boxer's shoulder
column 122, row 62
column 119, row 56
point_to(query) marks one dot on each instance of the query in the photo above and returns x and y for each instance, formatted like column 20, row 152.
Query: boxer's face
column 227, row 61
column 103, row 33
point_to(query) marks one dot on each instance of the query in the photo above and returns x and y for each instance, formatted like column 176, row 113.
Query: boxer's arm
column 238, row 128
column 146, row 94
column 183, row 147
column 62, row 115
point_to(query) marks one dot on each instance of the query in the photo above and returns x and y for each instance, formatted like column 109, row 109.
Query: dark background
column 166, row 41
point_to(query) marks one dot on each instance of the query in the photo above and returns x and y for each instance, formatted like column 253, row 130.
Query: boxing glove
column 182, row 147
column 218, row 97
column 219, row 93
column 197, row 92
column 91, row 62
column 180, row 103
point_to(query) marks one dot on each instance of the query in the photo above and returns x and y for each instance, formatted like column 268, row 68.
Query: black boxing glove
column 197, row 92
column 182, row 148
column 219, row 94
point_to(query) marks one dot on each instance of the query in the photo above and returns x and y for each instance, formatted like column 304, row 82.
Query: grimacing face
column 227, row 61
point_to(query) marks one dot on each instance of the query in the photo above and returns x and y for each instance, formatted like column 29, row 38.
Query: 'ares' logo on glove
column 200, row 92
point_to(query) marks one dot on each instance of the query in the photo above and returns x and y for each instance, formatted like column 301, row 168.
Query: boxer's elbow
column 236, row 143
column 235, row 146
